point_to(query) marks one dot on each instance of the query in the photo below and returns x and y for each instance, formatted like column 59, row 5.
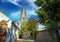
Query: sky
column 12, row 8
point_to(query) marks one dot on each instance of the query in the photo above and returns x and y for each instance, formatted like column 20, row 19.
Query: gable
column 4, row 17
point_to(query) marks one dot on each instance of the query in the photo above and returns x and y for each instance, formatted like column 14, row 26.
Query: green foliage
column 29, row 26
column 24, row 27
column 49, row 11
column 20, row 34
column 50, row 24
column 32, row 27
column 49, row 14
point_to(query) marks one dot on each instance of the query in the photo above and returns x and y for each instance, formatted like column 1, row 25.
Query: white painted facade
column 40, row 27
column 14, row 31
column 3, row 17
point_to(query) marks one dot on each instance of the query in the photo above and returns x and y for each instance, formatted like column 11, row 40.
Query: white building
column 11, row 28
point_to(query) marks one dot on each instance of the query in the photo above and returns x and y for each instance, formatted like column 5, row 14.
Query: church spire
column 22, row 17
column 23, row 14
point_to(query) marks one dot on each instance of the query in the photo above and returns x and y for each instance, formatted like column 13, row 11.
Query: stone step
column 28, row 41
column 19, row 40
column 22, row 40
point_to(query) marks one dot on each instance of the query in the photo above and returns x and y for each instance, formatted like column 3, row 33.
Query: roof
column 15, row 25
column 5, row 20
column 3, row 17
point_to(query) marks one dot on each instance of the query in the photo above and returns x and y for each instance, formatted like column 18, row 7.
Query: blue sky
column 12, row 8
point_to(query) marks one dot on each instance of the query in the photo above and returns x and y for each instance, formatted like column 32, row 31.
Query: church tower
column 23, row 15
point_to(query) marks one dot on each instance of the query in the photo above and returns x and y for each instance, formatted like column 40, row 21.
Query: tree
column 49, row 14
column 24, row 29
column 49, row 11
column 32, row 27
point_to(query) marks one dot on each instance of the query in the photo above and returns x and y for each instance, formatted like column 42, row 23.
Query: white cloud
column 41, row 27
column 15, row 2
column 31, row 12
column 31, row 2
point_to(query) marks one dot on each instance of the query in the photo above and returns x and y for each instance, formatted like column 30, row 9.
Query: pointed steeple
column 23, row 14
column 22, row 17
